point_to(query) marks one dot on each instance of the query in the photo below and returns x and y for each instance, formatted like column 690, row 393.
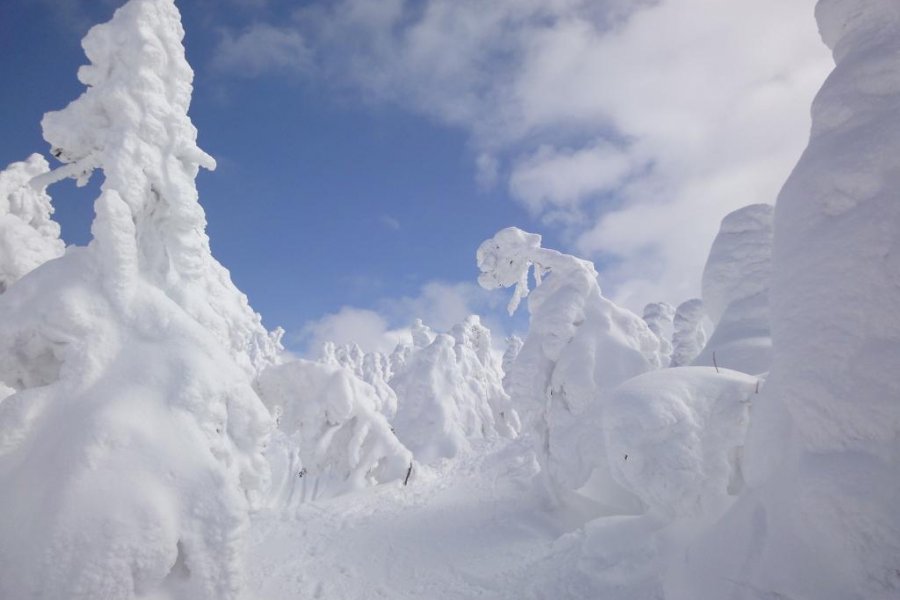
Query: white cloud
column 262, row 48
column 351, row 325
column 440, row 304
column 633, row 125
column 550, row 178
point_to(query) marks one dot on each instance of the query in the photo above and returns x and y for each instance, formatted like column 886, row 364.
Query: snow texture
column 820, row 517
column 659, row 317
column 579, row 346
column 675, row 438
column 689, row 337
column 28, row 236
column 332, row 438
column 736, row 291
column 372, row 367
column 513, row 346
column 450, row 392
column 131, row 450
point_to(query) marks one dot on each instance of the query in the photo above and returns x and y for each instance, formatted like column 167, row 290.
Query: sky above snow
column 367, row 147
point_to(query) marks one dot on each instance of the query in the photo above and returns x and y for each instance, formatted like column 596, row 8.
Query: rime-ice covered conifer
column 28, row 236
column 689, row 336
column 131, row 448
column 736, row 291
column 579, row 346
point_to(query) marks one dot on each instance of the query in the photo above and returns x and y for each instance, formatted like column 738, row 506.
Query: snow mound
column 736, row 291
column 332, row 438
column 450, row 391
column 28, row 236
column 675, row 438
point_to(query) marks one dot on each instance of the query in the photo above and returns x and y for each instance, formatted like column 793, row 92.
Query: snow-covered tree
column 28, row 236
column 131, row 449
column 450, row 391
column 513, row 346
column 579, row 346
column 332, row 437
column 689, row 336
column 372, row 367
column 736, row 291
column 819, row 518
column 659, row 318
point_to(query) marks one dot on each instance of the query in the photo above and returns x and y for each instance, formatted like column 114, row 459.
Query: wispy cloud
column 260, row 49
column 389, row 222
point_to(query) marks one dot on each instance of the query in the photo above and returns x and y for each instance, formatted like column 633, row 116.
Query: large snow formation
column 736, row 291
column 659, row 317
column 450, row 390
column 332, row 437
column 131, row 449
column 675, row 438
column 28, row 236
column 819, row 518
column 579, row 346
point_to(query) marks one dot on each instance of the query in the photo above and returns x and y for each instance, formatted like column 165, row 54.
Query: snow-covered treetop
column 506, row 259
column 28, row 236
column 740, row 260
column 132, row 123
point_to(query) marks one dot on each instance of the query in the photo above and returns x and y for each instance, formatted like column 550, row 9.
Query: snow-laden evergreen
column 736, row 283
column 450, row 391
column 579, row 346
column 372, row 367
column 659, row 317
column 689, row 336
column 332, row 437
column 131, row 449
column 29, row 237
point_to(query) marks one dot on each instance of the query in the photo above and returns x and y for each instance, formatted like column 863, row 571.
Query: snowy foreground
column 157, row 443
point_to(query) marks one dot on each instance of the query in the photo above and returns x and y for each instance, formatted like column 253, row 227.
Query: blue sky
column 365, row 148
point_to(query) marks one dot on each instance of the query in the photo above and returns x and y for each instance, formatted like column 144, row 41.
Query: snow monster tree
column 131, row 446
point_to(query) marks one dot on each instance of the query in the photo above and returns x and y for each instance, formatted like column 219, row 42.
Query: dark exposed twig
column 715, row 364
column 408, row 473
